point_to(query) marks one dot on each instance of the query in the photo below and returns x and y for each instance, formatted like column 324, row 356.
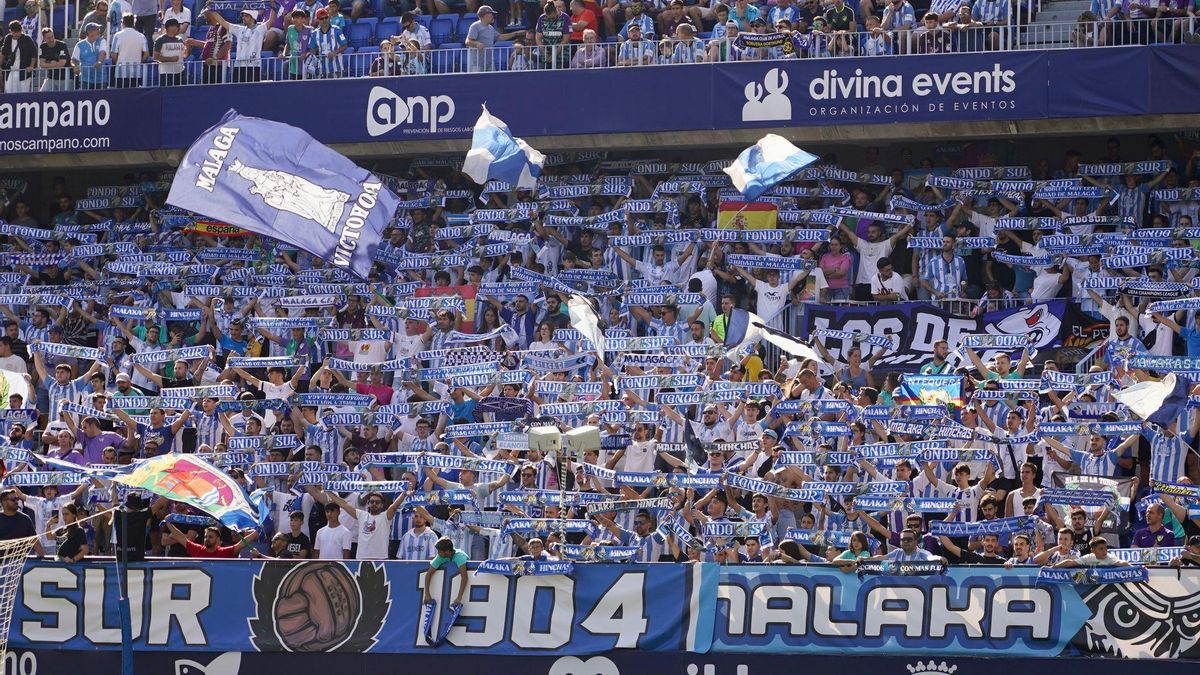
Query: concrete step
column 1057, row 15
column 1076, row 6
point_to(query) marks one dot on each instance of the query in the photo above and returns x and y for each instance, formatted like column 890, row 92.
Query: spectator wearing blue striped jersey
column 329, row 42
column 635, row 50
column 1112, row 15
column 688, row 49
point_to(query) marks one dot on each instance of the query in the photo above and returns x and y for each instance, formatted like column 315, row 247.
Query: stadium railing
column 454, row 58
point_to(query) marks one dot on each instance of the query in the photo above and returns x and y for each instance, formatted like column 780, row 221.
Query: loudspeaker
column 581, row 439
column 545, row 440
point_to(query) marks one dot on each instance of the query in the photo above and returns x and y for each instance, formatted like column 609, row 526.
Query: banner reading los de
column 359, row 607
column 918, row 325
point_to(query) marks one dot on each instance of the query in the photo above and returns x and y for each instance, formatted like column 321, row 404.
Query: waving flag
column 1160, row 402
column 496, row 154
column 585, row 320
column 943, row 390
column 276, row 180
column 746, row 329
column 766, row 164
column 195, row 482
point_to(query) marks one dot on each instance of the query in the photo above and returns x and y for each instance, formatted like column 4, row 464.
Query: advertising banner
column 82, row 121
column 726, row 96
column 351, row 607
column 811, row 92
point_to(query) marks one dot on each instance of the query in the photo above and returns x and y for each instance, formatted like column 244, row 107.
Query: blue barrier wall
column 823, row 92
column 351, row 607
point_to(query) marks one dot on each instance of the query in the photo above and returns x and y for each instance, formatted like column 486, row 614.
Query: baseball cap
column 91, row 26
column 772, row 433
column 485, row 9
column 252, row 12
column 122, row 377
column 1194, row 540
column 322, row 14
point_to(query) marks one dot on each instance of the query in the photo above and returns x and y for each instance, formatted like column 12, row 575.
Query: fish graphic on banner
column 275, row 180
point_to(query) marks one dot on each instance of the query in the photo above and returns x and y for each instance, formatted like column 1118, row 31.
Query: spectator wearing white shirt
column 870, row 251
column 130, row 48
column 411, row 29
column 772, row 295
column 886, row 285
column 248, row 42
column 1049, row 281
column 332, row 541
column 180, row 13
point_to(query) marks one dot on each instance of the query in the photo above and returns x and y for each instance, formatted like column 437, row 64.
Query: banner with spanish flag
column 213, row 228
column 747, row 216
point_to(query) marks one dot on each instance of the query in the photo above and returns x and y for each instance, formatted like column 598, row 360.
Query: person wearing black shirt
column 71, row 539
column 18, row 56
column 840, row 17
column 1190, row 555
column 298, row 543
column 130, row 526
column 14, row 524
column 990, row 555
column 54, row 59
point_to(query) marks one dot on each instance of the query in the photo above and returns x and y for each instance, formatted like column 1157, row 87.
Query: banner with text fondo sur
column 335, row 606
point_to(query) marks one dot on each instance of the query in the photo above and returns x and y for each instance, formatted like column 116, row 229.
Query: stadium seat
column 361, row 65
column 386, row 29
column 361, row 33
column 272, row 68
column 442, row 30
column 62, row 20
column 445, row 59
column 503, row 51
column 425, row 20
column 464, row 24
column 707, row 35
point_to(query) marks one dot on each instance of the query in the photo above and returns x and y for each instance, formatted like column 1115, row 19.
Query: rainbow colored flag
column 195, row 482
column 946, row 390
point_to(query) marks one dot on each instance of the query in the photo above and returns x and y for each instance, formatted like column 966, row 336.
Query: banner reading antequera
column 919, row 325
column 361, row 607
column 276, row 180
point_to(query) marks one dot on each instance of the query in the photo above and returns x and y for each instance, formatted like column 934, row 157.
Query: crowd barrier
column 1015, row 85
column 373, row 607
column 452, row 58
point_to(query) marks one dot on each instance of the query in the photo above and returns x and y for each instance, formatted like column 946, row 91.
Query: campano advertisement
column 80, row 121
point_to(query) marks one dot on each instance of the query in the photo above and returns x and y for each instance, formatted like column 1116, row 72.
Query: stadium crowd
column 116, row 41
column 381, row 416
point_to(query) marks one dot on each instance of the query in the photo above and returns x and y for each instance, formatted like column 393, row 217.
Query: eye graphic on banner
column 1140, row 621
column 319, row 607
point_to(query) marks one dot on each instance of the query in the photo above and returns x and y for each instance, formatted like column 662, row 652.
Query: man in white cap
column 248, row 41
column 88, row 58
